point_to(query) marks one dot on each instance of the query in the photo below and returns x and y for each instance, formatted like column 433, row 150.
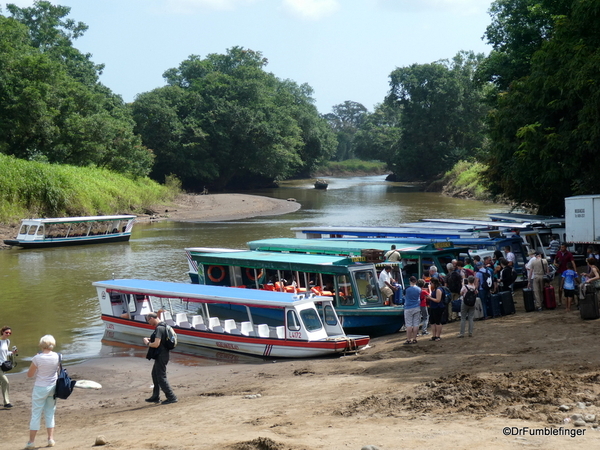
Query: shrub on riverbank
column 464, row 180
column 352, row 167
column 33, row 189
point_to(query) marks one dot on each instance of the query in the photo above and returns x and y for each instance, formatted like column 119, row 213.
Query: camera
column 14, row 350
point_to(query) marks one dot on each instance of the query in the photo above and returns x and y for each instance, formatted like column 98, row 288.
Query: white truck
column 582, row 219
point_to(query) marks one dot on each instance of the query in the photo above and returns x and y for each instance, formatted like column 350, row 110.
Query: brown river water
column 49, row 291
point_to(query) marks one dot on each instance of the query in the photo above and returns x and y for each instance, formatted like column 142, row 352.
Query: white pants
column 42, row 399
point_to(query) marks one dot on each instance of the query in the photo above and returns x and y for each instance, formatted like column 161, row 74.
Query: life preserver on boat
column 250, row 274
column 212, row 277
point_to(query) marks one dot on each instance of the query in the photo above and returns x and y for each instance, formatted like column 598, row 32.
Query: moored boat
column 351, row 282
column 224, row 318
column 321, row 184
column 63, row 231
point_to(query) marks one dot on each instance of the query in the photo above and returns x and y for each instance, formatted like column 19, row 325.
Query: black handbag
column 64, row 384
column 7, row 365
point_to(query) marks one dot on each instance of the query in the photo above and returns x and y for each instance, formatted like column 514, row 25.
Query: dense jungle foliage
column 527, row 113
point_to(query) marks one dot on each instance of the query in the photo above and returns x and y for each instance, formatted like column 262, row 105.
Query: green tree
column 50, row 113
column 378, row 134
column 345, row 120
column 545, row 132
column 228, row 122
column 517, row 31
column 442, row 115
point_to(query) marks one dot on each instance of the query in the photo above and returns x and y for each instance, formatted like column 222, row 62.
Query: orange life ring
column 214, row 279
column 250, row 274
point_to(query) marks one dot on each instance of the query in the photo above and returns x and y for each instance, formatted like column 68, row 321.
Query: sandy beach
column 199, row 208
column 501, row 389
column 516, row 372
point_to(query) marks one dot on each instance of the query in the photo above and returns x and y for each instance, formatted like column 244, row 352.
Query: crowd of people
column 428, row 305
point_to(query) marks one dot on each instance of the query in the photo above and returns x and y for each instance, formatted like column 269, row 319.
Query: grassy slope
column 32, row 189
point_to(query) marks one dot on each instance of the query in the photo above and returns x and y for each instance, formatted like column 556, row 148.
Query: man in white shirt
column 510, row 256
column 385, row 284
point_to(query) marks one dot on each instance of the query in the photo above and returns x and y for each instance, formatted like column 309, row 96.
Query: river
column 49, row 291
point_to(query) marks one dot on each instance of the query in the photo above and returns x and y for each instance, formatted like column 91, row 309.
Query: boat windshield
column 366, row 284
column 311, row 319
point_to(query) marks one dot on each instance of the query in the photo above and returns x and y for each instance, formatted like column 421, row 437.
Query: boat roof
column 333, row 245
column 382, row 231
column 458, row 242
column 477, row 223
column 276, row 260
column 80, row 219
column 526, row 218
column 201, row 292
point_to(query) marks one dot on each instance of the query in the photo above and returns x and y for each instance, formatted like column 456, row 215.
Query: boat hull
column 62, row 242
column 265, row 347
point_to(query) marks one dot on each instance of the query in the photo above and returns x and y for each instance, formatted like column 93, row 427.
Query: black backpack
column 454, row 282
column 470, row 297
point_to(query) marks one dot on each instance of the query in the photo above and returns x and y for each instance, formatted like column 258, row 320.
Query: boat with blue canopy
column 226, row 318
column 352, row 283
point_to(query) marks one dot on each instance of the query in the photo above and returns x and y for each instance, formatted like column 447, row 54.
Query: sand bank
column 457, row 393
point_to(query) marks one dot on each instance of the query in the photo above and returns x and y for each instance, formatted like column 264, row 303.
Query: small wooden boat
column 224, row 318
column 321, row 184
column 62, row 231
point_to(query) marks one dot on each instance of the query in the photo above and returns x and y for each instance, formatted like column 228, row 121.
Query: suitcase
column 528, row 299
column 508, row 304
column 588, row 306
column 549, row 298
column 478, row 310
column 496, row 300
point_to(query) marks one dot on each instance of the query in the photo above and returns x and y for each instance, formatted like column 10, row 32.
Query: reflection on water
column 48, row 291
column 116, row 344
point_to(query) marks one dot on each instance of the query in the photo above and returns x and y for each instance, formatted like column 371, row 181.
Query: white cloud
column 311, row 9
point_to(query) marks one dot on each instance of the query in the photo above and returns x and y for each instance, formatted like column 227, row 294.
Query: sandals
column 434, row 338
column 414, row 341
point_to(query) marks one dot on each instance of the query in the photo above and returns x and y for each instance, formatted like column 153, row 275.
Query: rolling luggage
column 549, row 298
column 588, row 306
column 495, row 300
column 528, row 299
column 508, row 304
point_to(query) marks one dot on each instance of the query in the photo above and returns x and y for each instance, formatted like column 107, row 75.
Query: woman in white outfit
column 5, row 355
column 44, row 367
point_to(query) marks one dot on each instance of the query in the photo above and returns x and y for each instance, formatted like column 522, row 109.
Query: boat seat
column 185, row 324
column 247, row 329
column 167, row 318
column 214, row 324
column 262, row 330
column 139, row 318
column 198, row 323
column 277, row 332
column 179, row 318
column 230, row 326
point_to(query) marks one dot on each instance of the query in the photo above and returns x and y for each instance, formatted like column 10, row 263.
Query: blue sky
column 344, row 49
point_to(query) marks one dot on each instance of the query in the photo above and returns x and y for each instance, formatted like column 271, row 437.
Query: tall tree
column 378, row 134
column 442, row 115
column 545, row 132
column 229, row 122
column 345, row 119
column 48, row 111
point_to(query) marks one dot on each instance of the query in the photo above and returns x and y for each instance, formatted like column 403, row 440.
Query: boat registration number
column 295, row 335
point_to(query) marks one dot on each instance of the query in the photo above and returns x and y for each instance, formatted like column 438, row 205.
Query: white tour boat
column 228, row 318
column 62, row 231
